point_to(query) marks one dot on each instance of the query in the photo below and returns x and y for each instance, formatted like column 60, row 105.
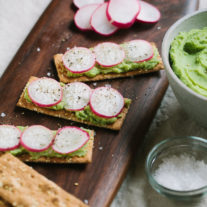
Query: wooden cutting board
column 54, row 32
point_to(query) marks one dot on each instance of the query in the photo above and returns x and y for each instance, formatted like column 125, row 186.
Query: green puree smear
column 50, row 152
column 123, row 67
column 188, row 55
column 86, row 114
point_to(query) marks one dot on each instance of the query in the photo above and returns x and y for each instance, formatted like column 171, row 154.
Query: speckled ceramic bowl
column 194, row 104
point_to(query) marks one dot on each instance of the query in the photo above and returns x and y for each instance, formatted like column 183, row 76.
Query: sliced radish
column 83, row 16
column 138, row 50
column 78, row 59
column 81, row 3
column 9, row 137
column 123, row 13
column 109, row 54
column 148, row 13
column 37, row 138
column 100, row 23
column 76, row 96
column 106, row 102
column 45, row 92
column 69, row 139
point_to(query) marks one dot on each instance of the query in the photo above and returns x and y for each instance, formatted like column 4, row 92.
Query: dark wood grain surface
column 54, row 32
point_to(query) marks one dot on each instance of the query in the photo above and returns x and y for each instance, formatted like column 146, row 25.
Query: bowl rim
column 160, row 188
column 165, row 54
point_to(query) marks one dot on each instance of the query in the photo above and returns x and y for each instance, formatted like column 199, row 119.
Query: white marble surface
column 17, row 17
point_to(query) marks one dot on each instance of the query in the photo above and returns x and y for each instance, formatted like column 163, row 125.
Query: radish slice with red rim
column 76, row 96
column 81, row 3
column 100, row 22
column 138, row 50
column 69, row 139
column 45, row 92
column 108, row 54
column 123, row 13
column 106, row 102
column 148, row 13
column 37, row 138
column 78, row 59
column 83, row 16
column 9, row 137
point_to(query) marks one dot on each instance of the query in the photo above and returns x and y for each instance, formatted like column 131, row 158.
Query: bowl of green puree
column 184, row 53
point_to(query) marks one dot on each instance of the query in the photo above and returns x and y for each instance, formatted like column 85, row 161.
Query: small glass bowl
column 193, row 146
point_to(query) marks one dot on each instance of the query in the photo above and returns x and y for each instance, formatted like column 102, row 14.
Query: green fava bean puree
column 188, row 56
column 86, row 114
column 49, row 152
column 123, row 67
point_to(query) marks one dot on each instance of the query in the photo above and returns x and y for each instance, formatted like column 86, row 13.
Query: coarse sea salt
column 182, row 173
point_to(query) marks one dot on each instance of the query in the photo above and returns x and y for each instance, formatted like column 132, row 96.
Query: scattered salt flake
column 68, row 48
column 108, row 85
column 85, row 201
column 100, row 148
column 76, row 184
column 3, row 114
column 159, row 28
column 38, row 49
column 182, row 173
column 94, row 84
column 48, row 74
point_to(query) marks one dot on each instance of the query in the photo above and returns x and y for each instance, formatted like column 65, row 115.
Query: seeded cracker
column 62, row 72
column 20, row 185
column 67, row 114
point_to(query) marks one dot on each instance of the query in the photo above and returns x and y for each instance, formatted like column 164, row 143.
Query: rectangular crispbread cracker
column 22, row 102
column 79, row 160
column 62, row 72
column 21, row 186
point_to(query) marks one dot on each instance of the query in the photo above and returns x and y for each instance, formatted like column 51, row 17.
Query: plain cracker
column 22, row 102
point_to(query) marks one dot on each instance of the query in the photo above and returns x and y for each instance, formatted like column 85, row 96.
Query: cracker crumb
column 159, row 28
column 3, row 114
column 108, row 85
column 38, row 49
column 59, row 125
column 76, row 184
column 100, row 148
column 112, row 155
column 22, row 113
column 85, row 201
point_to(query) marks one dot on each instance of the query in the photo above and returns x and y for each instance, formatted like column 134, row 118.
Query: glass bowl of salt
column 177, row 167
